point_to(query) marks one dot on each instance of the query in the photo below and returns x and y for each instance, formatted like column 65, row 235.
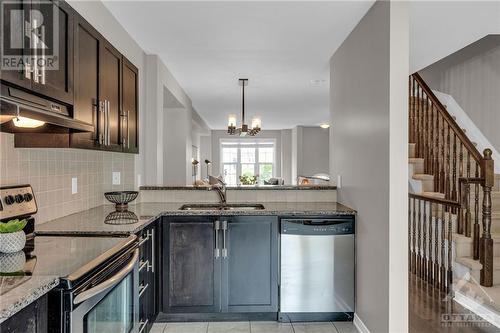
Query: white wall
column 168, row 128
column 286, row 155
column 368, row 107
column 205, row 154
column 177, row 147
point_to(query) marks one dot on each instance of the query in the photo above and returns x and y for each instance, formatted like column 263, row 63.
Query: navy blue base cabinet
column 219, row 268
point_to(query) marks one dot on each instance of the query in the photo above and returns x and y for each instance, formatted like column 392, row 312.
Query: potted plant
column 12, row 236
column 248, row 180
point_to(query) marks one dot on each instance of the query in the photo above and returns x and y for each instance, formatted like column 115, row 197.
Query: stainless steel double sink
column 222, row 207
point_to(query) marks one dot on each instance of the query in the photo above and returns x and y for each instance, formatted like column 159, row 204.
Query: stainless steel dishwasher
column 317, row 269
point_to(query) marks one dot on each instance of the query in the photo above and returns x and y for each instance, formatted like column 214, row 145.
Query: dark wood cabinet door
column 130, row 115
column 191, row 272
column 32, row 319
column 55, row 79
column 250, row 270
column 110, row 78
column 86, row 51
column 16, row 46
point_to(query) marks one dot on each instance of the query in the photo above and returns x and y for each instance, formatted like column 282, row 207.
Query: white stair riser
column 411, row 150
column 460, row 272
column 466, row 249
column 418, row 167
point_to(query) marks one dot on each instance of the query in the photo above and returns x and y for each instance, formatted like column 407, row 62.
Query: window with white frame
column 242, row 157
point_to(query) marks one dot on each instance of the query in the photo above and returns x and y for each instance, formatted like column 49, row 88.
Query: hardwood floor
column 432, row 311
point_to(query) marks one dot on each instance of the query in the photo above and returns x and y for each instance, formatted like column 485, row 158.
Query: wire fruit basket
column 121, row 198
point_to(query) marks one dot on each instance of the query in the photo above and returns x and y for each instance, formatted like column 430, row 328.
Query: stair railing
column 456, row 165
column 430, row 225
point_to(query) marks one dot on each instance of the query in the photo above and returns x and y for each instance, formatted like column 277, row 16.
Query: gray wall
column 472, row 77
column 315, row 151
column 368, row 149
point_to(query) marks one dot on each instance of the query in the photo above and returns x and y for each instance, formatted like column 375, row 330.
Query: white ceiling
column 279, row 46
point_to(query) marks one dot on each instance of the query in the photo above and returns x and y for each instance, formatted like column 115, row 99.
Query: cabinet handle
column 152, row 235
column 142, row 289
column 143, row 264
column 224, row 239
column 143, row 324
column 28, row 69
column 143, row 240
column 104, row 123
column 217, row 228
column 108, row 136
column 42, row 75
column 101, row 126
column 33, row 42
column 128, row 129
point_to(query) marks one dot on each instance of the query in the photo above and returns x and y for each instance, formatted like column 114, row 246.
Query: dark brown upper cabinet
column 15, row 44
column 87, row 43
column 110, row 95
column 130, row 115
column 93, row 80
column 49, row 71
column 106, row 93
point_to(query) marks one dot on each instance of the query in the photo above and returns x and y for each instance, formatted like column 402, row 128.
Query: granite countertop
column 243, row 187
column 91, row 221
column 18, row 292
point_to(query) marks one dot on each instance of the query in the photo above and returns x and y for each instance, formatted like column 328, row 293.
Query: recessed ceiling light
column 318, row 82
column 324, row 125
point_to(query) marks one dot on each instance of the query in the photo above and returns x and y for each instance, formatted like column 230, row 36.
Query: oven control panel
column 17, row 201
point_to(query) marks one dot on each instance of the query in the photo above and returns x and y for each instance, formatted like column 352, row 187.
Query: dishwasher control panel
column 318, row 226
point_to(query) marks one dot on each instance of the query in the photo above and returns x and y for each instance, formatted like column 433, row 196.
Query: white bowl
column 12, row 242
column 12, row 262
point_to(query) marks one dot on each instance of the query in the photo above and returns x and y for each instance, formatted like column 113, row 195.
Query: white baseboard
column 360, row 326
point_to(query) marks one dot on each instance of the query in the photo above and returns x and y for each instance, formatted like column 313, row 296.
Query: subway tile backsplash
column 50, row 171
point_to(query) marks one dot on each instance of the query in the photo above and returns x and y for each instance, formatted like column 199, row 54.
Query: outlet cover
column 339, row 181
column 74, row 185
column 116, row 178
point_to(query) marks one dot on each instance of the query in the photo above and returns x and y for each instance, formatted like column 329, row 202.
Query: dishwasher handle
column 317, row 221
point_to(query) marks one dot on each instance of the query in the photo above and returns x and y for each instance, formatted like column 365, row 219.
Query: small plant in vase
column 12, row 236
column 248, row 180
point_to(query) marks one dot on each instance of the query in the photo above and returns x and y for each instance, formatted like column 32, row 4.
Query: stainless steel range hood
column 15, row 103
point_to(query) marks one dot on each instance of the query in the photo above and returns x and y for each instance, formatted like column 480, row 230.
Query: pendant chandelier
column 243, row 130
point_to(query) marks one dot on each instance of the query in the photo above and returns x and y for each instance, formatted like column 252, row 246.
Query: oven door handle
column 108, row 283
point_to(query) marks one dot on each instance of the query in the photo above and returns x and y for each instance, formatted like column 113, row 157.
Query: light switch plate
column 74, row 185
column 116, row 178
column 339, row 181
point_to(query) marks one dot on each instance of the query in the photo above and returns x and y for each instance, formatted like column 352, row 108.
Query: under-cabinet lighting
column 27, row 122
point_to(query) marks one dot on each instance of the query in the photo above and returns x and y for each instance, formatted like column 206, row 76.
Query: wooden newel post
column 486, row 243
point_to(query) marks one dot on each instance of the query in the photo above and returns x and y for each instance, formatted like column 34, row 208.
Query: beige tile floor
column 254, row 327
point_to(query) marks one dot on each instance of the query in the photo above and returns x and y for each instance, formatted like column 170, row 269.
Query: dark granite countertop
column 17, row 292
column 243, row 187
column 92, row 221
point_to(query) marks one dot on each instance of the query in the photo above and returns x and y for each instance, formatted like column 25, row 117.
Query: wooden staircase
column 450, row 200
